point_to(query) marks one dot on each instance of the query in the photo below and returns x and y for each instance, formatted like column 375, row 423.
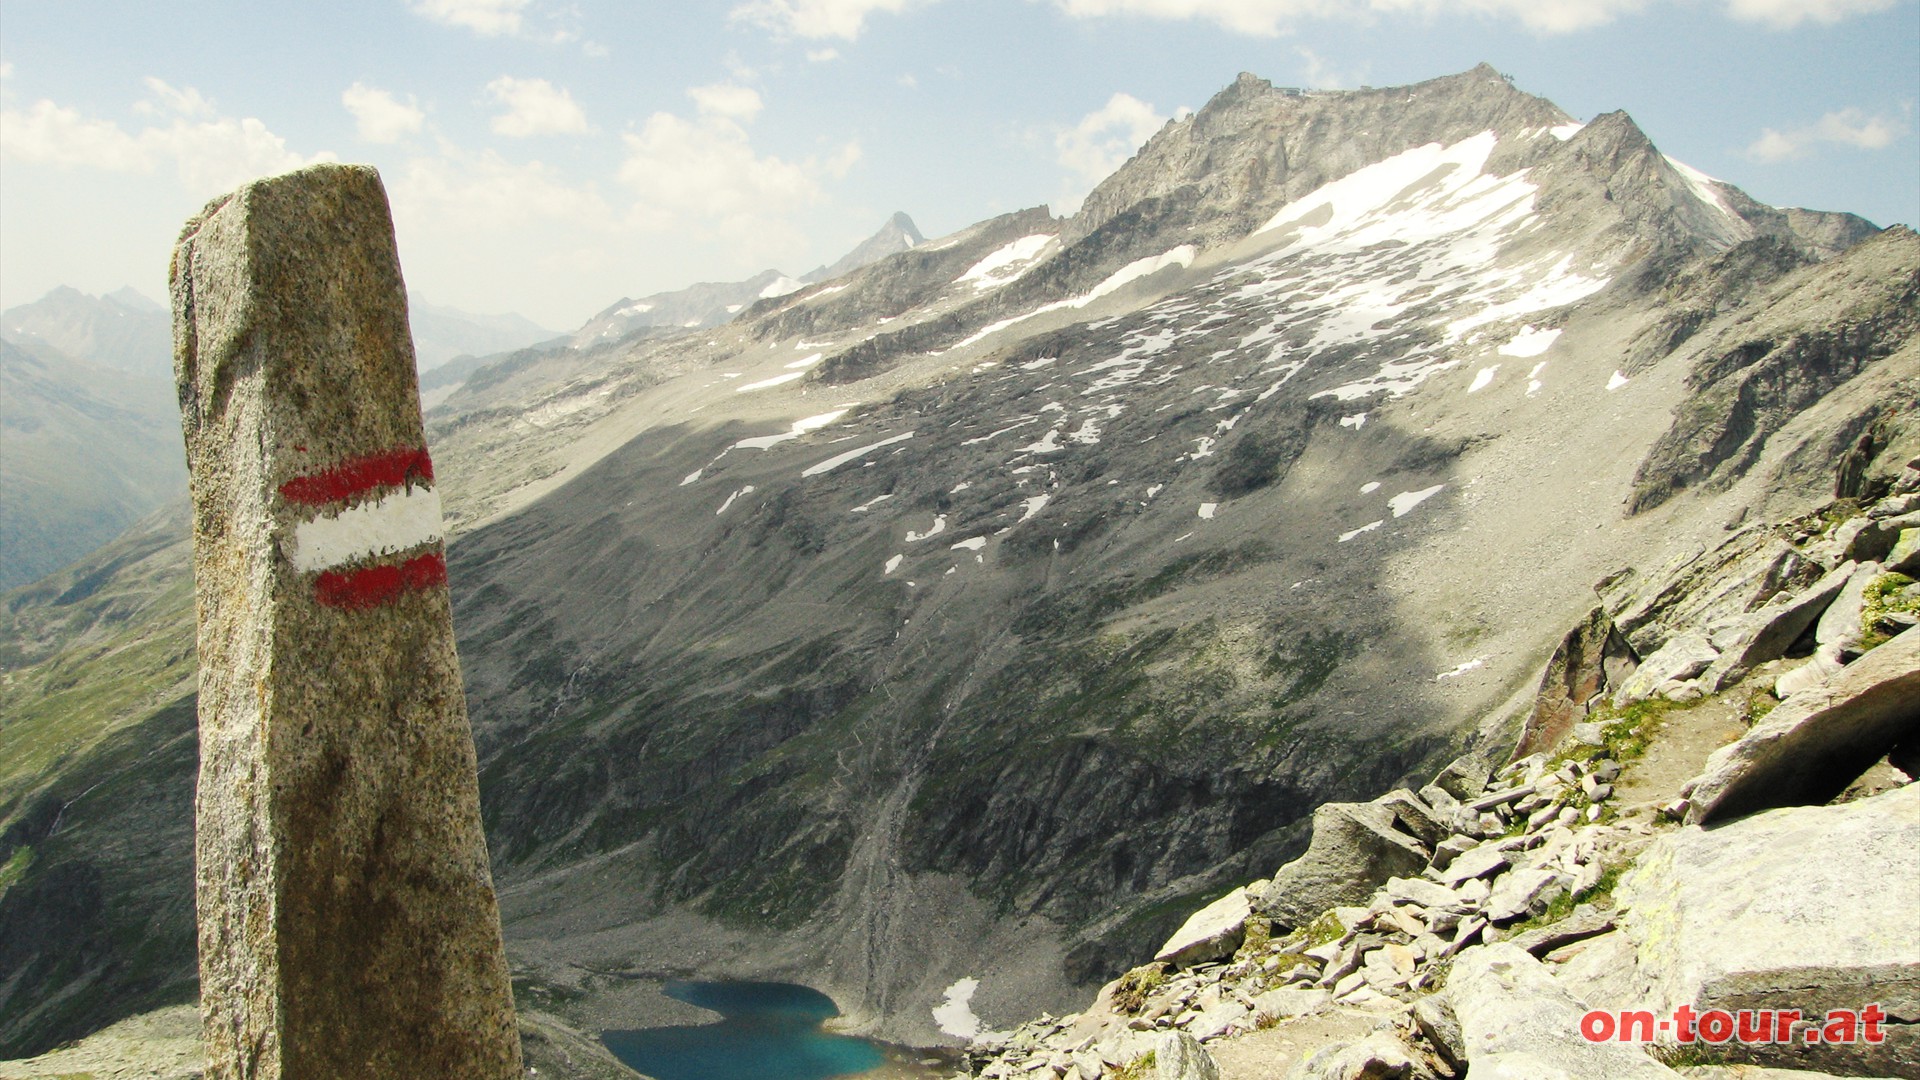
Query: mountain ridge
column 707, row 304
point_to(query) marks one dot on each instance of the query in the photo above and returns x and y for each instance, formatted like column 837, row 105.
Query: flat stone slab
column 1810, row 908
column 1517, row 1023
column 1818, row 741
column 1579, row 926
column 1210, row 933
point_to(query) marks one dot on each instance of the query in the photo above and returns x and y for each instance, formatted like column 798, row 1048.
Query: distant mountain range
column 710, row 304
column 442, row 334
column 978, row 612
column 89, row 429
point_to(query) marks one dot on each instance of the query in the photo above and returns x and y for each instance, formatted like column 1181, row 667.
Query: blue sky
column 550, row 157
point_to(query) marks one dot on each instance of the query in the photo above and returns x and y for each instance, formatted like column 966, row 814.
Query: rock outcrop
column 1817, row 741
column 1810, row 908
column 1518, row 1023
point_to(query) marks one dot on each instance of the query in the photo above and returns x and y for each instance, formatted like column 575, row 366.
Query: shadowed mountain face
column 979, row 612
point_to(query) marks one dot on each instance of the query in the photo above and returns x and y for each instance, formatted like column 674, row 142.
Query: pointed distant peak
column 1615, row 131
column 904, row 225
column 898, row 234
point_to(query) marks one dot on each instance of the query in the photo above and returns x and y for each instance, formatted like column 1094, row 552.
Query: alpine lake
column 766, row 1031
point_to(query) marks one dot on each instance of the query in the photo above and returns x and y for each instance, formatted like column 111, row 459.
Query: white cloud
column 535, row 107
column 705, row 172
column 1847, row 127
column 488, row 18
column 166, row 99
column 821, row 56
column 1785, row 14
column 1268, row 18
column 210, row 155
column 381, row 118
column 1322, row 74
column 816, row 18
column 1104, row 139
column 457, row 189
column 730, row 100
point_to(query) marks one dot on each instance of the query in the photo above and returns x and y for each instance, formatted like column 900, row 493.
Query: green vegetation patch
column 1137, row 986
column 16, row 868
column 1886, row 596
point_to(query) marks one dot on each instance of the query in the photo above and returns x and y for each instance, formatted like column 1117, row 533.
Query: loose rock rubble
column 1457, row 916
column 1526, row 841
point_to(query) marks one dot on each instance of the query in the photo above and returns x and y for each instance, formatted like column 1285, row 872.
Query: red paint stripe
column 377, row 585
column 357, row 475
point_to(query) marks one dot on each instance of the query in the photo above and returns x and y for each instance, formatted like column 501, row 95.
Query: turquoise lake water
column 767, row 1031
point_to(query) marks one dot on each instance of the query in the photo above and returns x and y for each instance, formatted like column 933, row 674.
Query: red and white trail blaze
column 382, row 543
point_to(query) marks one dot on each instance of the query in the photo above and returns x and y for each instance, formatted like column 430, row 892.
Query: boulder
column 1210, row 933
column 1420, row 891
column 1681, row 658
column 1433, row 1016
column 1355, row 849
column 1584, row 923
column 1415, row 816
column 1810, row 908
column 1745, row 571
column 1819, row 670
column 1283, row 1004
column 1479, row 862
column 1840, row 623
column 1465, row 777
column 1905, row 556
column 1179, row 1056
column 1379, row 1056
column 1759, row 636
column 1817, row 742
column 1866, row 539
column 1592, row 657
column 1517, row 1023
column 1524, row 892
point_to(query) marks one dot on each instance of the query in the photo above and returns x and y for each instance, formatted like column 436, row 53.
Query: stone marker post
column 348, row 926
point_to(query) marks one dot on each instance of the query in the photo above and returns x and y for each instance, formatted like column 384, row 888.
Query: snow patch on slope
column 1005, row 264
column 1133, row 271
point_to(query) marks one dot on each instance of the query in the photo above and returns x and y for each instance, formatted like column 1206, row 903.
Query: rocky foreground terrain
column 979, row 615
column 1471, row 928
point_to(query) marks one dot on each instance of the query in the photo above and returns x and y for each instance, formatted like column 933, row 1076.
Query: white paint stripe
column 399, row 520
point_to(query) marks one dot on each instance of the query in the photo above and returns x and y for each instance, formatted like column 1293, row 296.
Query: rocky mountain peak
column 123, row 330
column 897, row 235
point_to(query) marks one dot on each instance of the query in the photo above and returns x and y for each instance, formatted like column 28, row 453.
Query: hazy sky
column 550, row 157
